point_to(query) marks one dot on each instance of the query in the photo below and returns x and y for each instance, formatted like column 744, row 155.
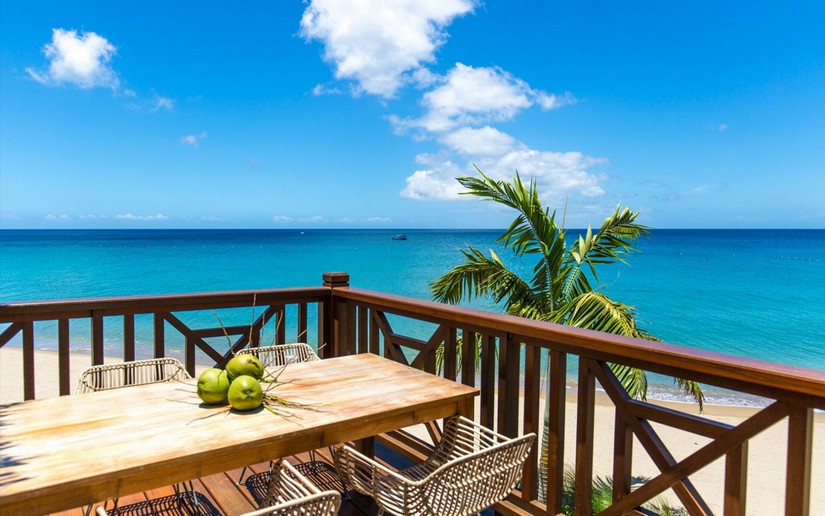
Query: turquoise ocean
column 753, row 293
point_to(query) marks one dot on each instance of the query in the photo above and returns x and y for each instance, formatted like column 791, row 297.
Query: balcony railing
column 514, row 353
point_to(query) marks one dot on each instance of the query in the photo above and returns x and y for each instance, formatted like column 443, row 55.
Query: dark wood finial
column 336, row 279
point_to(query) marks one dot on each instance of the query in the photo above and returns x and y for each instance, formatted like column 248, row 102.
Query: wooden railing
column 513, row 353
column 166, row 313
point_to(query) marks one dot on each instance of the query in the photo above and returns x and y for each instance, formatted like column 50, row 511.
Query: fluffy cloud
column 473, row 96
column 485, row 141
column 192, row 139
column 79, row 59
column 436, row 182
column 380, row 45
column 557, row 174
column 467, row 97
column 130, row 216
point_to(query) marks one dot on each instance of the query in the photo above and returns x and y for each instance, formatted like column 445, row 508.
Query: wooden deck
column 219, row 494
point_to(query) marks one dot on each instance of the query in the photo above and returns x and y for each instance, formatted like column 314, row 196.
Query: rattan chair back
column 470, row 469
column 290, row 493
column 127, row 374
column 283, row 354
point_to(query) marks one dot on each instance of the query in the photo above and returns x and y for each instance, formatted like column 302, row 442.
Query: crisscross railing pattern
column 505, row 357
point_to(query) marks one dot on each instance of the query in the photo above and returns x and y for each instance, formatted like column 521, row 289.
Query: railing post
column 800, row 450
column 64, row 359
column 584, row 439
column 28, row 360
column 330, row 347
column 97, row 337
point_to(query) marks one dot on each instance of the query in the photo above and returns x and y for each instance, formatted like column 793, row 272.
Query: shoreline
column 766, row 463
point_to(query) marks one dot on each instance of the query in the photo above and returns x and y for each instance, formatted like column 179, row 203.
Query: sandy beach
column 766, row 460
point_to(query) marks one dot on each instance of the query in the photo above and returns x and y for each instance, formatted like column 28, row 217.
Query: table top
column 66, row 452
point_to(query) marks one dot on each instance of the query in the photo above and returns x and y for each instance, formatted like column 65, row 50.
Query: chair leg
column 240, row 478
column 182, row 491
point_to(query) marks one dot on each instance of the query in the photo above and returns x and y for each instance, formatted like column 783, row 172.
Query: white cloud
column 282, row 218
column 436, row 182
column 431, row 185
column 484, row 141
column 322, row 89
column 62, row 217
column 379, row 44
column 130, row 216
column 556, row 173
column 356, row 220
column 82, row 60
column 550, row 101
column 192, row 139
column 162, row 103
column 472, row 96
column 723, row 128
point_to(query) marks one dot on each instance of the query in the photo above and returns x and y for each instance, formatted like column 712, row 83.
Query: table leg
column 466, row 408
column 366, row 446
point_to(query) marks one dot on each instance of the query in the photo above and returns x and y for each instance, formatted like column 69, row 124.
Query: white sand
column 766, row 462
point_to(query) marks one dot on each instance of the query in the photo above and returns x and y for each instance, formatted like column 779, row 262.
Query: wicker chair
column 470, row 469
column 126, row 374
column 278, row 356
column 290, row 493
column 283, row 354
column 129, row 374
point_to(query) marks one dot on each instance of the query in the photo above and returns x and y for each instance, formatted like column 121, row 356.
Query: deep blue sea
column 753, row 293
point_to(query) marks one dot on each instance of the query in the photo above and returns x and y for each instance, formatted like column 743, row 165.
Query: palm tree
column 561, row 289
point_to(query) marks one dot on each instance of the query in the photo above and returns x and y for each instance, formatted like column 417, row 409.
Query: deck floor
column 219, row 494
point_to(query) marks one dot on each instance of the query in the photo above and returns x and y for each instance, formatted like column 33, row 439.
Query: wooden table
column 66, row 452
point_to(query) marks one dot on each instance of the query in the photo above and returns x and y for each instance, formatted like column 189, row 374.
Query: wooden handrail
column 707, row 366
column 77, row 308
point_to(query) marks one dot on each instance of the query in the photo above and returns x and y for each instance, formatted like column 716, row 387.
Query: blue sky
column 360, row 114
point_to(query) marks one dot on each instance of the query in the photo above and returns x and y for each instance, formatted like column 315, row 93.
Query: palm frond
column 611, row 243
column 572, row 282
column 692, row 388
column 634, row 380
column 480, row 276
column 596, row 311
column 534, row 230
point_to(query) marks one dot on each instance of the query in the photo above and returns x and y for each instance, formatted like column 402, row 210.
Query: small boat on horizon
column 399, row 236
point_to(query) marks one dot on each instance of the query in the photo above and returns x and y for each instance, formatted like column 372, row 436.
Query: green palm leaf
column 480, row 276
column 560, row 288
